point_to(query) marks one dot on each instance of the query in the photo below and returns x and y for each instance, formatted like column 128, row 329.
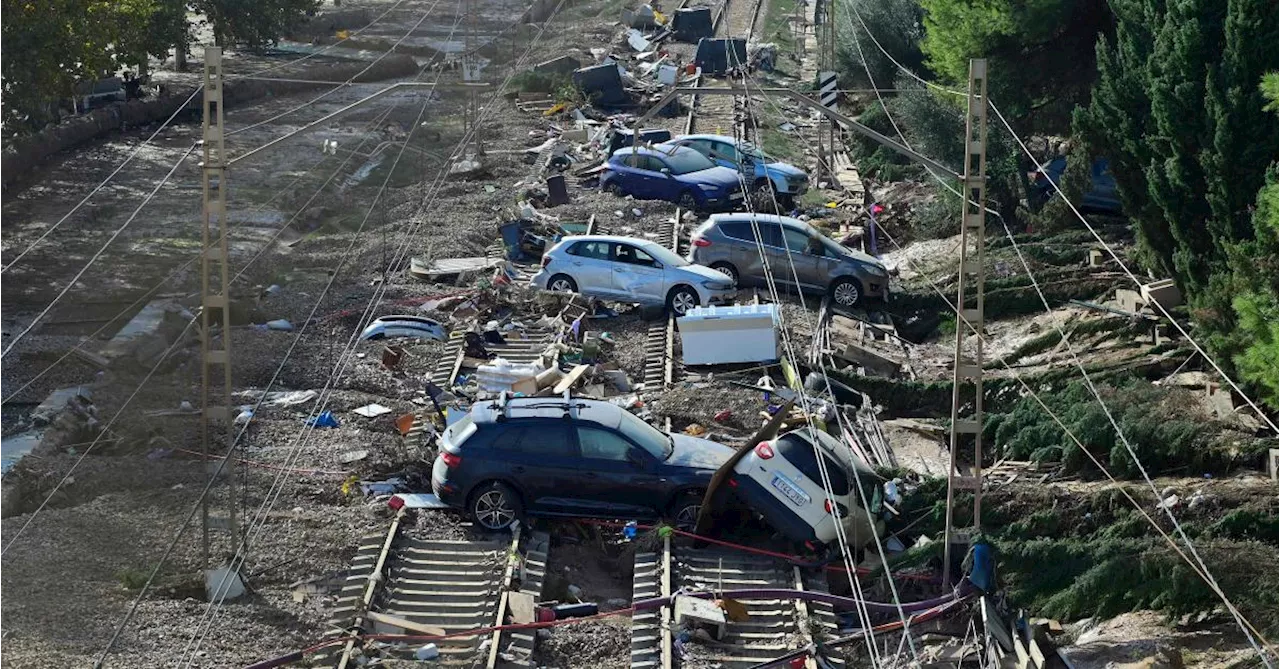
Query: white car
column 404, row 326
column 627, row 269
column 781, row 481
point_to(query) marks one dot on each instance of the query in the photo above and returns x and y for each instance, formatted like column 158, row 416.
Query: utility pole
column 215, row 298
column 968, row 370
column 828, row 81
column 471, row 73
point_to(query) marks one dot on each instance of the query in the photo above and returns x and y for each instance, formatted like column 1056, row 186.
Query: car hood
column 719, row 176
column 703, row 273
column 698, row 453
column 784, row 170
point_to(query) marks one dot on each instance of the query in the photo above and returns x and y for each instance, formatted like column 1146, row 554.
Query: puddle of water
column 13, row 448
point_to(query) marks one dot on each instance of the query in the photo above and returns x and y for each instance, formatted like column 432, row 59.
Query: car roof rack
column 503, row 404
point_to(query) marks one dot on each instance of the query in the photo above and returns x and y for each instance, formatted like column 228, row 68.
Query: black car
column 574, row 457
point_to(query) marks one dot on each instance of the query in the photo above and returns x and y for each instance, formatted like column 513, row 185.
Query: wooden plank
column 508, row 580
column 571, row 379
column 396, row 621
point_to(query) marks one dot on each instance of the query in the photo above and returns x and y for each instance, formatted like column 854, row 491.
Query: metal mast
column 968, row 370
column 215, row 296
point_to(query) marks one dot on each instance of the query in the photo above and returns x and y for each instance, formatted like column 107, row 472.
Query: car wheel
column 727, row 270
column 495, row 507
column 846, row 292
column 562, row 283
column 688, row 201
column 682, row 300
column 615, row 189
column 683, row 512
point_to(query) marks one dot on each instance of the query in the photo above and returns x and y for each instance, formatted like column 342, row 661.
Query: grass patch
column 775, row 28
column 780, row 145
column 132, row 578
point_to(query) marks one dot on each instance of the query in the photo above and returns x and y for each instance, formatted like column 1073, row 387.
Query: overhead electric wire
column 350, row 79
column 231, row 451
column 1201, row 568
column 1084, row 373
column 851, row 572
column 841, row 420
column 277, row 486
column 160, row 361
column 99, row 253
column 164, row 125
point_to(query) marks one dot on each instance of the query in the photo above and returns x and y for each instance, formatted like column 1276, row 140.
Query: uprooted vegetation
column 1072, row 551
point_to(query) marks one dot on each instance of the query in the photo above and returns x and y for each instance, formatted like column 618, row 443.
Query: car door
column 723, row 153
column 775, row 252
column 616, row 475
column 541, row 457
column 637, row 276
column 744, row 253
column 662, row 186
column 591, row 266
column 807, row 258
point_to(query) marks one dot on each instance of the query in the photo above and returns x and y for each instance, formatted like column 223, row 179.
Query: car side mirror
column 666, row 171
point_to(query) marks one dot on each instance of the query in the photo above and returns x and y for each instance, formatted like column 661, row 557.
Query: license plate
column 790, row 490
column 735, row 196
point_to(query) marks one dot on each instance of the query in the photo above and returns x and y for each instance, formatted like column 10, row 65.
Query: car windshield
column 664, row 255
column 750, row 151
column 658, row 445
column 684, row 161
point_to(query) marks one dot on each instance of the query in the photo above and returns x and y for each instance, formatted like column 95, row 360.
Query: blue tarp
column 326, row 419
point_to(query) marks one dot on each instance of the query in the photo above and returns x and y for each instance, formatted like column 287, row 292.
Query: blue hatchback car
column 675, row 174
column 760, row 169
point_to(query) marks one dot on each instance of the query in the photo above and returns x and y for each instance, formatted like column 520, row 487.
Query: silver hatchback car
column 627, row 269
column 729, row 243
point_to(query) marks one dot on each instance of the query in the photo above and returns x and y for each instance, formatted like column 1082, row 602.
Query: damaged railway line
column 550, row 460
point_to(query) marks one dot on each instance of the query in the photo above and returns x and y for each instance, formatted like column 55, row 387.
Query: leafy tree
column 252, row 23
column 52, row 45
column 895, row 24
column 1040, row 54
column 1179, row 111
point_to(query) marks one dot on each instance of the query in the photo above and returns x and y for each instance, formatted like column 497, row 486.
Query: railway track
column 402, row 584
column 771, row 628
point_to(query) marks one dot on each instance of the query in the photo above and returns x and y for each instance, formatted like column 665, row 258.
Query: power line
column 1205, row 574
column 100, row 251
column 230, row 452
column 164, row 125
column 350, row 79
column 162, row 358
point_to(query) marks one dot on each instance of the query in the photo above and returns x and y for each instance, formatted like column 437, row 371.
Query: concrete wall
column 25, row 153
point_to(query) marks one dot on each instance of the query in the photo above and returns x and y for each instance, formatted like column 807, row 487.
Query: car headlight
column 875, row 270
column 708, row 187
column 716, row 285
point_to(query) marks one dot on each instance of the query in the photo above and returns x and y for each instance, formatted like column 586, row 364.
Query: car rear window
column 737, row 230
column 800, row 453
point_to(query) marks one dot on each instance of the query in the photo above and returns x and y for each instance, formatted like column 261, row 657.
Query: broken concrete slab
column 372, row 410
column 1164, row 292
column 432, row 270
column 57, row 401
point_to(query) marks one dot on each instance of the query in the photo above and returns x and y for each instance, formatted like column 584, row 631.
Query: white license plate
column 735, row 196
column 790, row 490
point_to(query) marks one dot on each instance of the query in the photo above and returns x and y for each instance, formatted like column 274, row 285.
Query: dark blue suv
column 563, row 456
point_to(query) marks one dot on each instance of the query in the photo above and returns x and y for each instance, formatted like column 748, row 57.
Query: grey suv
column 728, row 243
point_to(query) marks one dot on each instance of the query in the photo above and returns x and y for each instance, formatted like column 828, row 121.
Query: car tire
column 683, row 511
column 681, row 300
column 764, row 196
column 687, row 201
column 726, row 269
column 495, row 506
column 846, row 292
column 562, row 283
column 615, row 189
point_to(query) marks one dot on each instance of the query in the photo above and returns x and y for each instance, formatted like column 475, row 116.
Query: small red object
column 395, row 502
column 701, row 242
column 450, row 460
column 875, row 209
column 722, row 416
column 798, row 662
column 764, row 450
